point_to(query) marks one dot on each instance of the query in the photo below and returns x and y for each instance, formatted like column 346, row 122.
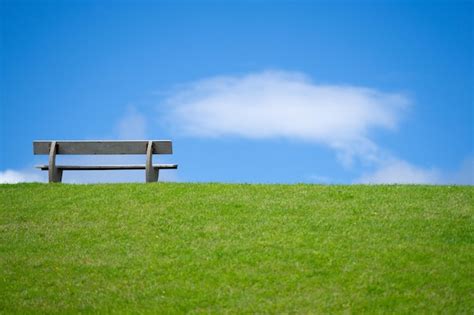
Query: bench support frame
column 55, row 175
column 151, row 173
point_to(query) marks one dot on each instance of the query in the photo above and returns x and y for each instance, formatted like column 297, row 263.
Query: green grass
column 215, row 248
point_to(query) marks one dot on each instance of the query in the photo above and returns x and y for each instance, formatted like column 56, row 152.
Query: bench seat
column 107, row 167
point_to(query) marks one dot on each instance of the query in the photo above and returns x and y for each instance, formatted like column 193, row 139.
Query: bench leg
column 152, row 175
column 56, row 176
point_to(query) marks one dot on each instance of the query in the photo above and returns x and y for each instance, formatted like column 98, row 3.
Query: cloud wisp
column 277, row 104
column 401, row 172
column 133, row 125
column 19, row 176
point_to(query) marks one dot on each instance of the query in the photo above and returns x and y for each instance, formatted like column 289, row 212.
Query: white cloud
column 402, row 172
column 279, row 104
column 13, row 177
column 289, row 105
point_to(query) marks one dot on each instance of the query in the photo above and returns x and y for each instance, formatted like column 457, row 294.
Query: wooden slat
column 103, row 147
column 107, row 167
column 166, row 166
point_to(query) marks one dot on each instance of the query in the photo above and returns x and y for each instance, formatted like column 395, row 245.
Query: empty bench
column 148, row 147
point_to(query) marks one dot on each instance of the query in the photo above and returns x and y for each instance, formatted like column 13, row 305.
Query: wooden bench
column 98, row 147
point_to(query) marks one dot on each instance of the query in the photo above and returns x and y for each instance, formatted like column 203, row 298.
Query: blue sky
column 249, row 91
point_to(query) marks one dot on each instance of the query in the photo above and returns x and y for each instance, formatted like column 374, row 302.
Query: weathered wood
column 103, row 147
column 107, row 167
column 54, row 175
column 151, row 173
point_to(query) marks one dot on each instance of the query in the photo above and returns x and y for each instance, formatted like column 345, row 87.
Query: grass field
column 200, row 248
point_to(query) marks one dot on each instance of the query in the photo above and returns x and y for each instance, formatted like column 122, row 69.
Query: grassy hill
column 175, row 248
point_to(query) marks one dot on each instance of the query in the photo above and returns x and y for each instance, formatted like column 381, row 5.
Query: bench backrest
column 103, row 147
